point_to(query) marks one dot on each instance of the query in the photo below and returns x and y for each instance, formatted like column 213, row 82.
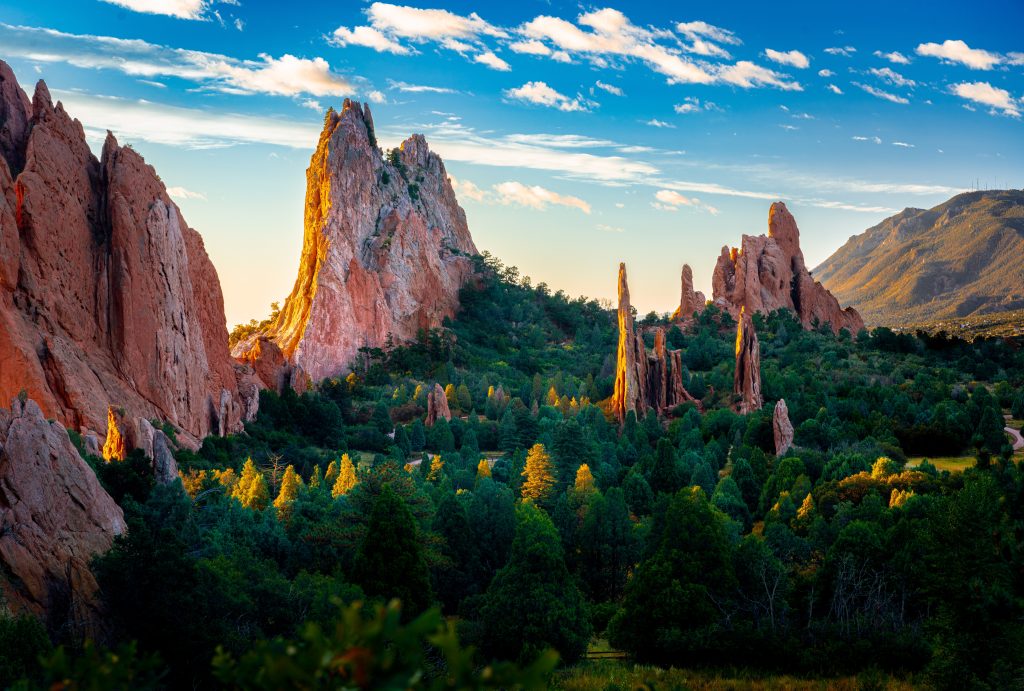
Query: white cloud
column 610, row 229
column 160, row 123
column 835, row 89
column 793, row 57
column 748, row 75
column 312, row 105
column 878, row 93
column 692, row 104
column 610, row 88
column 182, row 9
column 529, row 48
column 791, row 128
column 845, row 51
column 377, row 97
column 894, row 57
column 984, row 93
column 493, row 61
column 826, row 73
column 429, row 25
column 467, row 189
column 654, row 122
column 536, row 197
column 542, row 94
column 876, row 140
column 904, row 145
column 182, row 193
column 419, row 88
column 671, row 200
column 694, row 30
column 562, row 141
column 239, row 24
column 285, row 76
column 368, row 37
column 959, row 52
column 1015, row 58
column 889, row 76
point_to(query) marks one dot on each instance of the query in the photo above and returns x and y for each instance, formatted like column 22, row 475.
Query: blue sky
column 578, row 135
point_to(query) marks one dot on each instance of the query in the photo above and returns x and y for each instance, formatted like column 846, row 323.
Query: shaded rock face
column 690, row 301
column 54, row 516
column 747, row 381
column 767, row 273
column 437, row 406
column 107, row 297
column 385, row 252
column 782, row 427
column 644, row 381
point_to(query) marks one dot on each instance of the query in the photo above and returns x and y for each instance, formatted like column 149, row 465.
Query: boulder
column 54, row 517
column 767, row 273
column 782, row 427
column 437, row 406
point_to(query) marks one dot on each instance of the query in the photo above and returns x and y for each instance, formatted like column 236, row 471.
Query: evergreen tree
column 728, row 499
column 454, row 576
column 417, row 435
column 539, row 478
column 390, row 562
column 665, row 475
column 290, row 484
column 571, row 449
column 402, row 440
column 743, row 476
column 251, row 490
column 508, row 435
column 533, row 602
column 609, row 547
column 347, row 479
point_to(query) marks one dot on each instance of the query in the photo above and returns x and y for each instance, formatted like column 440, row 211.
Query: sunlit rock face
column 107, row 297
column 385, row 252
column 782, row 428
column 54, row 517
column 437, row 406
column 690, row 301
column 767, row 273
column 644, row 381
column 747, row 377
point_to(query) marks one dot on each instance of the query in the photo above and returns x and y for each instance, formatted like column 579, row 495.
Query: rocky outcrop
column 437, row 406
column 747, row 380
column 385, row 253
column 107, row 297
column 54, row 516
column 767, row 273
column 782, row 428
column 690, row 301
column 645, row 381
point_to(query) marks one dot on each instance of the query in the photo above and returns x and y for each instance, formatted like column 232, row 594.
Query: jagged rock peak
column 747, row 378
column 767, row 273
column 690, row 301
column 782, row 428
column 107, row 297
column 386, row 250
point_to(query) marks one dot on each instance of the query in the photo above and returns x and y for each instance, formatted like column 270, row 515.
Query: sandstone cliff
column 54, row 516
column 385, row 252
column 645, row 381
column 107, row 297
column 767, row 273
column 747, row 377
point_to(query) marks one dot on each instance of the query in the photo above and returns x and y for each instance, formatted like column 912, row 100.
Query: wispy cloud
column 835, row 89
column 878, row 93
column 654, row 122
column 671, row 200
column 858, row 138
column 610, row 88
column 894, row 57
column 845, row 51
column 182, row 9
column 692, row 104
column 889, row 76
column 183, row 193
column 419, row 88
column 539, row 93
column 793, row 58
column 536, row 197
column 287, row 75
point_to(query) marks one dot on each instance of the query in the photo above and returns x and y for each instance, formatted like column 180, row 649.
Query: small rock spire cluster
column 437, row 406
column 690, row 301
column 644, row 381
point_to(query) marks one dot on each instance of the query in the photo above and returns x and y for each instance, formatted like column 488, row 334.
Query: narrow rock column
column 783, row 428
column 747, row 382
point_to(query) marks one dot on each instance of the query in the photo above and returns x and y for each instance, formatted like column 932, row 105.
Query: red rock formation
column 690, row 301
column 107, row 297
column 54, row 516
column 768, row 273
column 645, row 381
column 385, row 252
column 782, row 427
column 437, row 406
column 114, row 447
column 747, row 381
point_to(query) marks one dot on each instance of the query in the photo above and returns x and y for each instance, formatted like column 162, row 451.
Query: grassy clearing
column 953, row 464
column 611, row 674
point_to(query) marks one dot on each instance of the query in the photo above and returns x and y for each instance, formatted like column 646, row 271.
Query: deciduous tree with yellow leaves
column 346, row 477
column 251, row 489
column 539, row 477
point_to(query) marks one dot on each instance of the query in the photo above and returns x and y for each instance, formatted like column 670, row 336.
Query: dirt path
column 1018, row 439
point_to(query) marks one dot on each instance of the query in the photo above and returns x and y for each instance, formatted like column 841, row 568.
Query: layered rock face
column 54, row 516
column 385, row 252
column 747, row 378
column 782, row 428
column 768, row 273
column 644, row 381
column 690, row 301
column 107, row 297
column 437, row 406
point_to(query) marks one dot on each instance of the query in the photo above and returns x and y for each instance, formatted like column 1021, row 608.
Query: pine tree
column 251, row 490
column 346, row 478
column 464, row 398
column 402, row 440
column 539, row 478
column 417, row 436
column 390, row 562
column 290, row 484
column 508, row 434
column 483, row 469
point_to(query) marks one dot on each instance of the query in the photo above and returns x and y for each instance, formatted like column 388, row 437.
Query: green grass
column 612, row 674
column 953, row 464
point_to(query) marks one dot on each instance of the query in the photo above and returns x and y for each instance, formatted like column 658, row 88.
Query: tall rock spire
column 690, row 301
column 747, row 381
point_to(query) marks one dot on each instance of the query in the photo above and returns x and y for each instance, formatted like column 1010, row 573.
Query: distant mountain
column 963, row 257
